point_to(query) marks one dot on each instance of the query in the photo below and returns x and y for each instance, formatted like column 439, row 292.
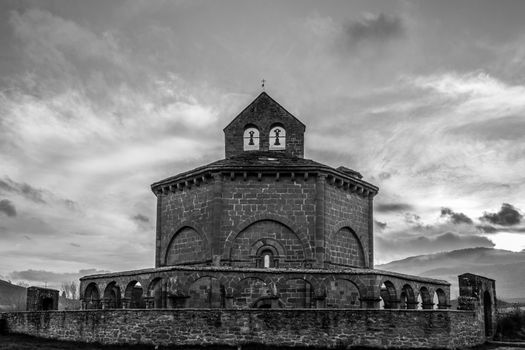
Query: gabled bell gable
column 264, row 126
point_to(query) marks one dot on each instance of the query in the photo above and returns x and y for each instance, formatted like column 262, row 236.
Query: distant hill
column 12, row 297
column 506, row 267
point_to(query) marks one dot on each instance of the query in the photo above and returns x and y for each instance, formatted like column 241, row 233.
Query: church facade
column 264, row 228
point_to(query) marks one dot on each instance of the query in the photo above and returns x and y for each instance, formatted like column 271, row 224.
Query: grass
column 25, row 342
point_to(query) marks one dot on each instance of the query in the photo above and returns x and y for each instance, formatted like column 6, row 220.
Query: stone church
column 264, row 228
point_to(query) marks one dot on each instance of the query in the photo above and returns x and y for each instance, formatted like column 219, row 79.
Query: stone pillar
column 427, row 306
column 320, row 301
column 228, row 301
column 371, row 231
column 443, row 306
column 150, row 302
column 274, row 302
column 394, row 303
column 158, row 231
column 370, row 302
column 164, row 294
column 105, row 303
column 126, row 302
column 320, row 204
column 214, row 225
column 412, row 305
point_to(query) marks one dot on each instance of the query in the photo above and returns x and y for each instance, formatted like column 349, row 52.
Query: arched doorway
column 388, row 296
column 487, row 310
column 426, row 299
column 92, row 296
column 155, row 292
column 408, row 298
column 134, row 295
column 112, row 296
column 47, row 304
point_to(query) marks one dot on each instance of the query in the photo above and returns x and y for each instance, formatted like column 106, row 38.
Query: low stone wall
column 298, row 327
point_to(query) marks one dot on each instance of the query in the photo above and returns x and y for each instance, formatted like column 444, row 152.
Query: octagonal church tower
column 263, row 228
column 265, row 205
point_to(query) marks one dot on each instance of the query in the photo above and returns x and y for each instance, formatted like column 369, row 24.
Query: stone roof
column 263, row 95
column 267, row 162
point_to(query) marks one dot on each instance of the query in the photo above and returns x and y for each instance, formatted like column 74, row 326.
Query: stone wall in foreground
column 298, row 327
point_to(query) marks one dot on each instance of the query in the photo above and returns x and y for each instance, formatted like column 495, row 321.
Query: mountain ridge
column 12, row 297
column 506, row 267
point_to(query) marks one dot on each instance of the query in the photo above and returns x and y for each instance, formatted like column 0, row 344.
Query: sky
column 99, row 99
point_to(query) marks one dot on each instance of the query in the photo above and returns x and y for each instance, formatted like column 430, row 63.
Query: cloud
column 392, row 207
column 455, row 218
column 507, row 128
column 23, row 189
column 50, row 277
column 508, row 215
column 380, row 225
column 7, row 207
column 385, row 175
column 487, row 228
column 506, row 229
column 61, row 45
column 375, row 27
column 140, row 217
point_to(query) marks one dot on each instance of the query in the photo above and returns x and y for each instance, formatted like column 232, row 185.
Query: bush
column 3, row 326
column 511, row 326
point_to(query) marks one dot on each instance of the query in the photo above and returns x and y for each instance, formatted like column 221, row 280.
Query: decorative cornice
column 280, row 173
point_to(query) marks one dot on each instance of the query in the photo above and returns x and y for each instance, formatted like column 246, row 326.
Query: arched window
column 251, row 138
column 277, row 137
column 267, row 259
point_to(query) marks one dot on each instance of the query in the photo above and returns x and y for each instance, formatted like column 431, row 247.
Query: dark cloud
column 506, row 128
column 22, row 189
column 508, row 215
column 450, row 240
column 390, row 207
column 140, row 217
column 487, row 228
column 455, row 218
column 7, row 207
column 492, row 229
column 380, row 225
column 35, row 195
column 378, row 28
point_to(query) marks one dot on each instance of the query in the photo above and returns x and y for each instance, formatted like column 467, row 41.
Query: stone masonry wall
column 279, row 235
column 187, row 246
column 41, row 299
column 345, row 209
column 346, row 249
column 298, row 327
column 188, row 207
column 248, row 201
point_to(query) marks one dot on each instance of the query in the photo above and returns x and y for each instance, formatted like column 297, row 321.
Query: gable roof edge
column 251, row 103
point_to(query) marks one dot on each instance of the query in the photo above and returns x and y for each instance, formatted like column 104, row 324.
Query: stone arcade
column 264, row 228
